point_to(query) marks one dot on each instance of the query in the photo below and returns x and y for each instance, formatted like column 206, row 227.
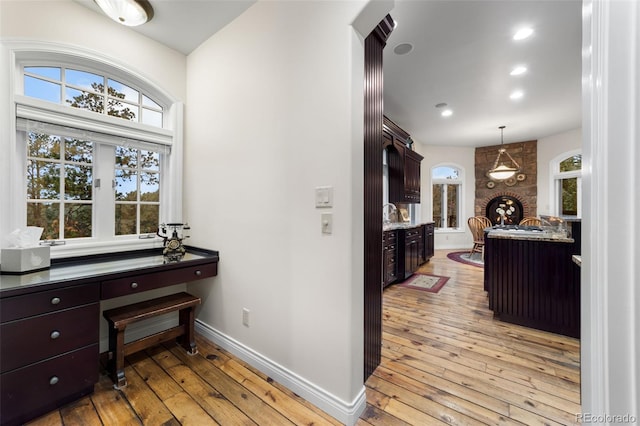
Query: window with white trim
column 446, row 183
column 93, row 159
column 567, row 185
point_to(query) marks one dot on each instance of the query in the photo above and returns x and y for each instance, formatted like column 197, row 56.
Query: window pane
column 121, row 91
column 149, row 160
column 149, row 187
column 149, row 214
column 78, row 151
column 571, row 164
column 41, row 145
column 126, row 185
column 126, row 157
column 437, row 205
column 122, row 110
column 85, row 80
column 50, row 72
column 126, row 219
column 452, row 206
column 569, row 197
column 446, row 173
column 149, row 103
column 40, row 89
column 152, row 118
column 47, row 216
column 43, row 180
column 77, row 220
column 84, row 100
column 78, row 182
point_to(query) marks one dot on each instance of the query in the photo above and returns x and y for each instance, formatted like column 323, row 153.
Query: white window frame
column 13, row 176
column 555, row 178
column 460, row 201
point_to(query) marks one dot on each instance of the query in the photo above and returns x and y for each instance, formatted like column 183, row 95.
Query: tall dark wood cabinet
column 404, row 165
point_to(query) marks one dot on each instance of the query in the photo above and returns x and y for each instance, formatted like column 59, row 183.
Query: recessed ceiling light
column 516, row 95
column 520, row 69
column 446, row 113
column 523, row 33
column 403, row 48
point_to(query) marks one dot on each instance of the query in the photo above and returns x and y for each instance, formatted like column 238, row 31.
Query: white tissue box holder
column 19, row 260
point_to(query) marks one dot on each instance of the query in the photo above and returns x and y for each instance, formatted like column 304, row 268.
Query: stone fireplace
column 521, row 190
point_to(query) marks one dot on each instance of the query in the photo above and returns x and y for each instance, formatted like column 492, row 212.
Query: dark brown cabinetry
column 389, row 257
column 429, row 235
column 413, row 250
column 50, row 322
column 404, row 165
column 49, row 353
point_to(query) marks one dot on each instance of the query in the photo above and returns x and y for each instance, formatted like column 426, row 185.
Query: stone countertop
column 521, row 234
column 402, row 225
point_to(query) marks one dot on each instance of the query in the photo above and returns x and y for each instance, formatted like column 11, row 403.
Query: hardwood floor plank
column 445, row 360
column 80, row 413
column 187, row 411
column 112, row 408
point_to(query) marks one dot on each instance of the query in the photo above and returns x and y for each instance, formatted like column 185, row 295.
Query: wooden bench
column 119, row 318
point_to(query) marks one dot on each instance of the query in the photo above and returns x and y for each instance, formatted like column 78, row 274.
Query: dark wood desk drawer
column 13, row 308
column 31, row 391
column 144, row 282
column 36, row 338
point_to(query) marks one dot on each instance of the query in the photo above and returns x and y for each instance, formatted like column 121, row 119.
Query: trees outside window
column 447, row 195
column 567, row 185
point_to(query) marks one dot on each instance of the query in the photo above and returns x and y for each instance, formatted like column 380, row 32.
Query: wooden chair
column 477, row 225
column 530, row 221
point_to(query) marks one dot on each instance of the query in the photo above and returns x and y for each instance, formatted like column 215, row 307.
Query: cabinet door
column 412, row 176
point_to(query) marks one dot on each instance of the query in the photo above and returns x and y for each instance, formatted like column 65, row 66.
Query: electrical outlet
column 245, row 317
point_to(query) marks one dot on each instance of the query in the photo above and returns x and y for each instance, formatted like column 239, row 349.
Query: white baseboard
column 346, row 412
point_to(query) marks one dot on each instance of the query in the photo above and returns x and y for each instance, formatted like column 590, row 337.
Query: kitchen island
column 532, row 280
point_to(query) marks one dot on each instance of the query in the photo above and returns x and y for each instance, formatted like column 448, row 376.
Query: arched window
column 94, row 152
column 446, row 183
column 567, row 184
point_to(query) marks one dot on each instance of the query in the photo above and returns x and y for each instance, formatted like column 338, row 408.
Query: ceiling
column 462, row 55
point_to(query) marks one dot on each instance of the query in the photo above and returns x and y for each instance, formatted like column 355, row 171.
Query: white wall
column 548, row 149
column 274, row 109
column 610, row 305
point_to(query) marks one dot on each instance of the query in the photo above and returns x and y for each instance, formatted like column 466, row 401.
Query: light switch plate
column 324, row 196
column 326, row 220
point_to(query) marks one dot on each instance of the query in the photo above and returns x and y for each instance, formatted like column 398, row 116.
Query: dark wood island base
column 534, row 282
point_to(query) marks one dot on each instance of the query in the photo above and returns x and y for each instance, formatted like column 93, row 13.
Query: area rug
column 463, row 257
column 426, row 282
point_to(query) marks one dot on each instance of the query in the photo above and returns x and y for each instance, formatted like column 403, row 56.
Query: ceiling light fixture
column 403, row 48
column 446, row 113
column 518, row 94
column 501, row 171
column 127, row 12
column 520, row 69
column 523, row 33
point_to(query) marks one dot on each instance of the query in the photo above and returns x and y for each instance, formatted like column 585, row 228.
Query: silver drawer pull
column 55, row 334
column 198, row 272
column 134, row 285
column 55, row 300
column 54, row 380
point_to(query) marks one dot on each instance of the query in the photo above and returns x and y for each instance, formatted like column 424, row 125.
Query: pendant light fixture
column 127, row 12
column 500, row 170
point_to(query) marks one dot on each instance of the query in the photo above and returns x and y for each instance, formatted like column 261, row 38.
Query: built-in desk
column 49, row 322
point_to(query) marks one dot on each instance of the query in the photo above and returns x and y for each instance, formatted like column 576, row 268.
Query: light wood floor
column 445, row 360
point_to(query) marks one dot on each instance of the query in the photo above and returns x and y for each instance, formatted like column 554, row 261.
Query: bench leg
column 116, row 357
column 187, row 340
